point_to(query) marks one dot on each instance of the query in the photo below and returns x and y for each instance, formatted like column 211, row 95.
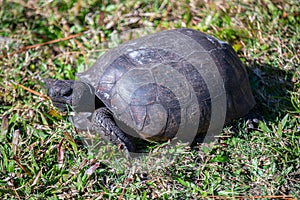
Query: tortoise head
column 77, row 94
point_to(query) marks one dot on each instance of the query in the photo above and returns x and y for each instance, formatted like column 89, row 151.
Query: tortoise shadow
column 270, row 87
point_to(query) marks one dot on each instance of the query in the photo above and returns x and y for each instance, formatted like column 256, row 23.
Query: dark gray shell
column 173, row 83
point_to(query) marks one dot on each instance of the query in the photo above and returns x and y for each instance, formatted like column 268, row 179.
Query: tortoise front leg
column 104, row 124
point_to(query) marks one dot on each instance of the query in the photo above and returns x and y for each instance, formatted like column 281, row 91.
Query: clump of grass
column 41, row 154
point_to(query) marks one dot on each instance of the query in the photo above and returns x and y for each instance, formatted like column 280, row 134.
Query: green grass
column 243, row 162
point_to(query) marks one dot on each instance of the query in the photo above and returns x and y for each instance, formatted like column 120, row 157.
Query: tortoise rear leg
column 104, row 124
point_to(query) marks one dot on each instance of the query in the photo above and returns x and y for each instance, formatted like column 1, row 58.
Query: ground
column 41, row 155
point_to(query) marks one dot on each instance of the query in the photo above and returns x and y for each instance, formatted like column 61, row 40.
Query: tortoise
column 179, row 83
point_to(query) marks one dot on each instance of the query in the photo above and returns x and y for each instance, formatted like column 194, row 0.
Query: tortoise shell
column 176, row 83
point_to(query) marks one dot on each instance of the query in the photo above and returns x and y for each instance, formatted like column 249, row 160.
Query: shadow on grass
column 270, row 87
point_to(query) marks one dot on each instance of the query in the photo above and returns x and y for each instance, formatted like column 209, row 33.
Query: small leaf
column 219, row 158
column 206, row 149
column 284, row 120
column 182, row 182
column 83, row 163
column 92, row 169
column 60, row 154
column 71, row 141
column 4, row 157
column 15, row 141
column 4, row 127
column 227, row 193
column 237, row 46
column 264, row 127
column 4, row 124
column 45, row 122
column 55, row 114
column 37, row 178
column 23, row 167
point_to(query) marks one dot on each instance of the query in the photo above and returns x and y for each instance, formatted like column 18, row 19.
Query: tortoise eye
column 66, row 91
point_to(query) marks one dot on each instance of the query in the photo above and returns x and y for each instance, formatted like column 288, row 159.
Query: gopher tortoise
column 178, row 83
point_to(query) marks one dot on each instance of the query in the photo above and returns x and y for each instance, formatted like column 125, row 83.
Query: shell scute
column 173, row 82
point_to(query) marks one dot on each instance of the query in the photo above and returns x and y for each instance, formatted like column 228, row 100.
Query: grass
column 41, row 154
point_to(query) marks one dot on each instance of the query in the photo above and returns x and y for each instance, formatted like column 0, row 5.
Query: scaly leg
column 104, row 124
